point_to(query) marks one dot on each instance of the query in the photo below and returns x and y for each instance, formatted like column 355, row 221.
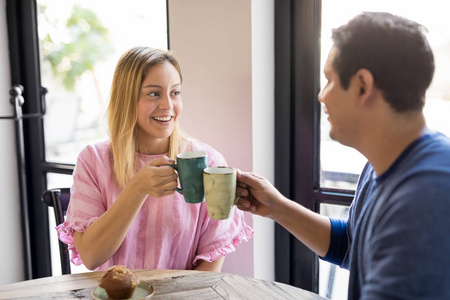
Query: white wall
column 12, row 269
column 212, row 40
column 226, row 55
column 263, row 125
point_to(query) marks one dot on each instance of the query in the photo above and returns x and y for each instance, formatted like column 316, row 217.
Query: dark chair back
column 59, row 200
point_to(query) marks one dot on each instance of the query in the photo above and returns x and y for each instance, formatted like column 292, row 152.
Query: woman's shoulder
column 215, row 157
column 195, row 145
column 96, row 151
column 95, row 159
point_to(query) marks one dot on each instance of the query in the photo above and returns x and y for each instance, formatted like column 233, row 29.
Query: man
column 395, row 242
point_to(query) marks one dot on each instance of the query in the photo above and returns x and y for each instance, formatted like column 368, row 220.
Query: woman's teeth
column 162, row 119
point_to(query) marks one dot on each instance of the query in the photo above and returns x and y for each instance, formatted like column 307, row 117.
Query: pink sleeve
column 85, row 205
column 221, row 237
column 65, row 233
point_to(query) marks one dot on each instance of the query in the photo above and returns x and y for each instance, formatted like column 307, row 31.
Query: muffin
column 119, row 282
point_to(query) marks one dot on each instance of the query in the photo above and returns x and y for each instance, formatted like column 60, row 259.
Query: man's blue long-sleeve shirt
column 396, row 241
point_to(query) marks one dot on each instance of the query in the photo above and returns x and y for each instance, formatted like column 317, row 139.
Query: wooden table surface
column 168, row 284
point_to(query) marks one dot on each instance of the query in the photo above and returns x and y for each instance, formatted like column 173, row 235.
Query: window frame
column 297, row 133
column 25, row 70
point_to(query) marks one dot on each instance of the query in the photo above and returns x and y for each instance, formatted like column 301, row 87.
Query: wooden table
column 168, row 284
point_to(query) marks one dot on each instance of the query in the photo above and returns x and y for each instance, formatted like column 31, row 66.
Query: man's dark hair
column 396, row 52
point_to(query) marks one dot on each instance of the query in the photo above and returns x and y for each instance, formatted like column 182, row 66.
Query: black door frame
column 25, row 71
column 297, row 133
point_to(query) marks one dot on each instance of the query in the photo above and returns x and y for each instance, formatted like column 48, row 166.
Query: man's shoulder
column 431, row 155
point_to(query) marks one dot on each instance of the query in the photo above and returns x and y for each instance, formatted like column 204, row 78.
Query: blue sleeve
column 338, row 242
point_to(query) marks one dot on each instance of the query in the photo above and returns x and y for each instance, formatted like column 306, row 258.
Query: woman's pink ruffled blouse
column 167, row 233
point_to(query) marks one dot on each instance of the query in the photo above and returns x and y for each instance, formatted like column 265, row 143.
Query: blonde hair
column 130, row 72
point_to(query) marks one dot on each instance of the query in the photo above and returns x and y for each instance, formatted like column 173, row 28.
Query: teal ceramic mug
column 190, row 167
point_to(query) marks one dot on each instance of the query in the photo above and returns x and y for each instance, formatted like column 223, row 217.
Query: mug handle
column 179, row 190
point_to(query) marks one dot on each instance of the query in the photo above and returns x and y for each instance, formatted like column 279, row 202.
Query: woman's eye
column 176, row 93
column 153, row 94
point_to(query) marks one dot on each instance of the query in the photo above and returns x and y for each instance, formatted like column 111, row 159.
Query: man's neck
column 385, row 144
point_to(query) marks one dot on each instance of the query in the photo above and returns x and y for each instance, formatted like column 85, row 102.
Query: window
column 436, row 21
column 312, row 169
column 80, row 45
column 333, row 280
column 342, row 172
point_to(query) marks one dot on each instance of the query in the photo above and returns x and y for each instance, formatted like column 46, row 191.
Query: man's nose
column 319, row 96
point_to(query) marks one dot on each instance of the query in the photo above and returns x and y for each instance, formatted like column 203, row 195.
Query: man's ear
column 364, row 83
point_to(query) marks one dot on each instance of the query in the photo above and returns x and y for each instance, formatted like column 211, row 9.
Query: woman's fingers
column 161, row 161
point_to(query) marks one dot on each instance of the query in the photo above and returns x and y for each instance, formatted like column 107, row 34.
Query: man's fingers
column 245, row 205
column 242, row 192
column 243, row 202
column 241, row 184
column 248, row 178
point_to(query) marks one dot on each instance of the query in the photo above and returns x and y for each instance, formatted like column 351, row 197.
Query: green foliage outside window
column 74, row 47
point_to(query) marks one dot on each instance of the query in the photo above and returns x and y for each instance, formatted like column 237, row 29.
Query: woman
column 123, row 208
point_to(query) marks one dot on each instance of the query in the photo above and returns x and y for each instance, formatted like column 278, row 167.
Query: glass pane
column 333, row 281
column 80, row 44
column 340, row 164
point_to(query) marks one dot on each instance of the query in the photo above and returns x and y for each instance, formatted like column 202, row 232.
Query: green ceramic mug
column 190, row 167
column 220, row 191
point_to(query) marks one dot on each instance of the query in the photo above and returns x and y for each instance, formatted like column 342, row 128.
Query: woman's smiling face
column 159, row 106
